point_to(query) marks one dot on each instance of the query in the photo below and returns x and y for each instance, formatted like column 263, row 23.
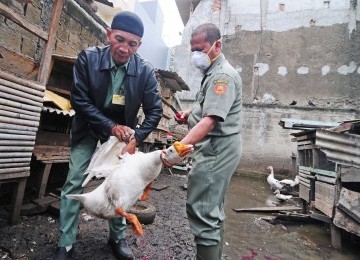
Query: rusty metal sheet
column 341, row 148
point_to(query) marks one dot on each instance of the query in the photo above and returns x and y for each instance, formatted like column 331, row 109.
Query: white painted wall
column 296, row 14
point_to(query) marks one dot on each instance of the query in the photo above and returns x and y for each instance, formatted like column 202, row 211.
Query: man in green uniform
column 109, row 85
column 215, row 125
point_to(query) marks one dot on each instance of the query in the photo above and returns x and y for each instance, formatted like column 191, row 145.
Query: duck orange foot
column 136, row 225
column 146, row 192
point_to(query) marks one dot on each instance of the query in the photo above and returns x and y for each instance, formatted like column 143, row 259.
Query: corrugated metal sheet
column 341, row 148
column 21, row 102
column 59, row 111
column 172, row 80
column 294, row 123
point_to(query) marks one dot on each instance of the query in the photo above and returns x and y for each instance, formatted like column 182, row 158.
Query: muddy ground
column 168, row 237
column 247, row 236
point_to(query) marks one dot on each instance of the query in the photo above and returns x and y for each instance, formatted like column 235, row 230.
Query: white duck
column 291, row 183
column 127, row 181
column 282, row 197
column 274, row 183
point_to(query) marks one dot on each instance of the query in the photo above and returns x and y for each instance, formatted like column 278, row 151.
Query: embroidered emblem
column 218, row 81
column 220, row 89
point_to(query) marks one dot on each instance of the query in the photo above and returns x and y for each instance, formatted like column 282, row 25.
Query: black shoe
column 121, row 250
column 61, row 253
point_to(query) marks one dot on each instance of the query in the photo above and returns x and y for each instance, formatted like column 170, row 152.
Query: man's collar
column 113, row 65
column 215, row 64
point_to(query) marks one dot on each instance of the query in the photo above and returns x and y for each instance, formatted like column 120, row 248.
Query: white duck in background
column 291, row 183
column 127, row 182
column 282, row 197
column 274, row 183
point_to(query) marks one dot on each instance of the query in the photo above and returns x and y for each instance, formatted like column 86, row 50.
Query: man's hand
column 122, row 132
column 181, row 117
column 130, row 147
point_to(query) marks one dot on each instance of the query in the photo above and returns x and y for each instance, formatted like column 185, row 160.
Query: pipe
column 13, row 155
column 20, row 93
column 13, row 165
column 18, row 127
column 18, row 121
column 18, row 115
column 16, row 137
column 21, row 81
column 22, row 88
column 15, row 160
column 20, row 105
column 18, row 110
column 20, row 99
column 12, row 170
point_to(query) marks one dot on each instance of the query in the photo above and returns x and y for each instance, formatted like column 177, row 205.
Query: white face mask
column 201, row 60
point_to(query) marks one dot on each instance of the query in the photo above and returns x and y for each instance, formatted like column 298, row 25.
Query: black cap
column 128, row 22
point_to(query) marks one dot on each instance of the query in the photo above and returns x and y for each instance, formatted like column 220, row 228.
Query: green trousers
column 215, row 161
column 80, row 156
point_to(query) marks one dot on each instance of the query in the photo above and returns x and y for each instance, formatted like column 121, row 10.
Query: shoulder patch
column 220, row 89
column 224, row 81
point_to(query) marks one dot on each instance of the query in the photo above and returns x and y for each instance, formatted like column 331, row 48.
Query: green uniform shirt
column 115, row 99
column 220, row 95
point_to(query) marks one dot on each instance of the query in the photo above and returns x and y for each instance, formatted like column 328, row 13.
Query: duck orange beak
column 183, row 149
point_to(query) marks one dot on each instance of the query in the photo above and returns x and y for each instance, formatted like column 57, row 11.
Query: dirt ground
column 247, row 236
column 168, row 237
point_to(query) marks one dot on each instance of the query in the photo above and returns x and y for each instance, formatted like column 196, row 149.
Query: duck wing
column 105, row 159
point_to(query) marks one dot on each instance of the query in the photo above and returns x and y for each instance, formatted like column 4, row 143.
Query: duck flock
column 278, row 185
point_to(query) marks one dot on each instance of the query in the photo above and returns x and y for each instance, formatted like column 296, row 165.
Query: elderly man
column 110, row 84
column 215, row 124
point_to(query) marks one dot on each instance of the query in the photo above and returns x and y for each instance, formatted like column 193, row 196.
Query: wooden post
column 17, row 199
column 44, row 71
column 44, row 177
column 335, row 231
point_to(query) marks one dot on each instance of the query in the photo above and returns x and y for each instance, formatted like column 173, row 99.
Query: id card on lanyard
column 118, row 99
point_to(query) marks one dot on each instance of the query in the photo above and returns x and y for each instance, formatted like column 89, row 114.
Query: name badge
column 118, row 100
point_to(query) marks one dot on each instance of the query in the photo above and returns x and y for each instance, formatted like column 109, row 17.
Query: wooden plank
column 326, row 179
column 18, row 64
column 20, row 20
column 44, row 70
column 324, row 198
column 324, row 172
column 321, row 217
column 59, row 90
column 304, row 192
column 305, row 184
column 52, row 138
column 343, row 221
column 305, row 142
column 305, row 176
column 349, row 203
column 349, row 174
column 307, row 147
column 304, row 180
column 7, row 176
column 267, row 209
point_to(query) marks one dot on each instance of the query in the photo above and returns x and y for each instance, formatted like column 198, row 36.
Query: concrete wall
column 303, row 51
column 266, row 143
